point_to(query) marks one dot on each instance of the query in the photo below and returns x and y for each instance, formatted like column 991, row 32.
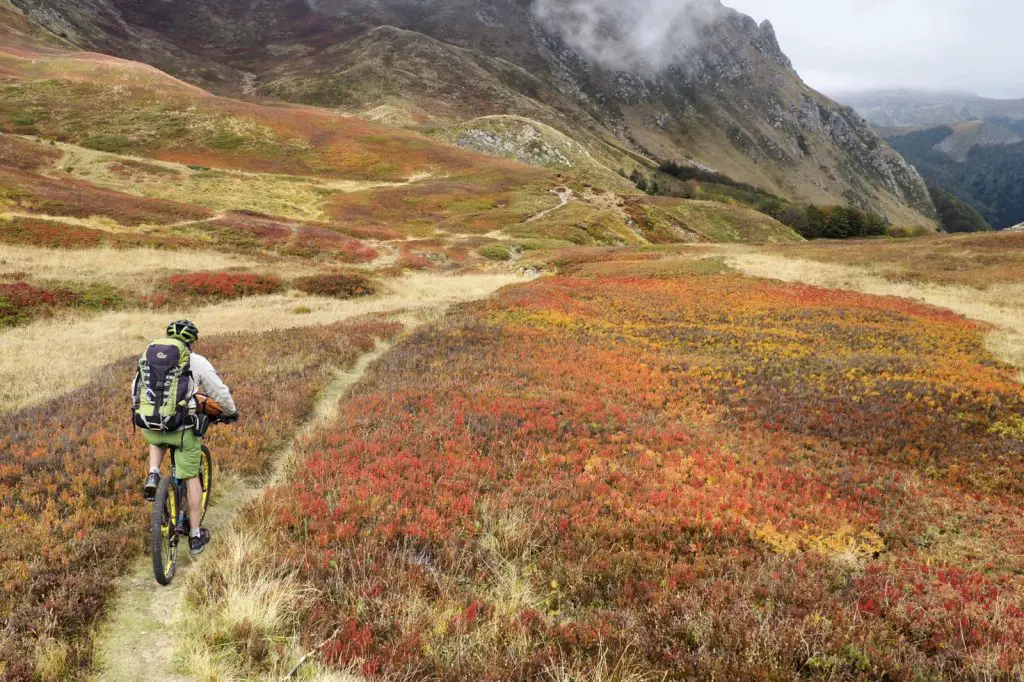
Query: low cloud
column 619, row 35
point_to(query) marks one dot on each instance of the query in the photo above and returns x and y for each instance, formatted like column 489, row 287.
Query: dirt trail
column 137, row 640
column 564, row 195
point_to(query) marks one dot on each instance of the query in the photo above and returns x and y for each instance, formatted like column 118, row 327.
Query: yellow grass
column 221, row 190
column 53, row 356
column 1000, row 304
column 114, row 266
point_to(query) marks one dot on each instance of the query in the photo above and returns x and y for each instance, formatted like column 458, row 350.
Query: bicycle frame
column 180, row 488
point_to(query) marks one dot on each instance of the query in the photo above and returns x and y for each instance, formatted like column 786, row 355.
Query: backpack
column 162, row 387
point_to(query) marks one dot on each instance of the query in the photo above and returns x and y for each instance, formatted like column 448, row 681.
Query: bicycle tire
column 162, row 531
column 206, row 478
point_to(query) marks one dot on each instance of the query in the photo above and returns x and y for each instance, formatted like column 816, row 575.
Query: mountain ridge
column 736, row 105
column 909, row 108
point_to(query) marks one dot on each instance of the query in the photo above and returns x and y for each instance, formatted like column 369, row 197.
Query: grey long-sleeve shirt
column 205, row 380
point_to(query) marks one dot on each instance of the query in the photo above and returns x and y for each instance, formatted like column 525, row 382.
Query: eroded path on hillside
column 1001, row 305
column 137, row 640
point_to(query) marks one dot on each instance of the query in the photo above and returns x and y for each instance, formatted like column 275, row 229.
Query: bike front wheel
column 163, row 528
column 206, row 478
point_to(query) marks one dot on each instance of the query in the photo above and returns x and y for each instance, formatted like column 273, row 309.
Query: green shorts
column 188, row 449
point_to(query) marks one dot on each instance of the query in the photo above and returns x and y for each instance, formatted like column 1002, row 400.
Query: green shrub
column 25, row 117
column 336, row 285
column 114, row 144
column 496, row 252
column 225, row 140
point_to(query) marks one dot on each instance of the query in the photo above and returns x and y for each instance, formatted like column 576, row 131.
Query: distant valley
column 969, row 149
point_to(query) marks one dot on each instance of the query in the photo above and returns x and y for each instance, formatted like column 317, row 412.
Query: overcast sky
column 837, row 45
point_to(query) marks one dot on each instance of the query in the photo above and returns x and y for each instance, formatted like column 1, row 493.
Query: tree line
column 808, row 220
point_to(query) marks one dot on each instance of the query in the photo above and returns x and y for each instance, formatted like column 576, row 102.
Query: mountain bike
column 170, row 524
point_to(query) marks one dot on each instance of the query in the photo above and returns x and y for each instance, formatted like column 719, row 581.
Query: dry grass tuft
column 622, row 669
column 52, row 660
column 253, row 609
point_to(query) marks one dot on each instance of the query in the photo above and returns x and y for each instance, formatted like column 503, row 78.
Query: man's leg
column 156, row 456
column 195, row 502
column 188, row 457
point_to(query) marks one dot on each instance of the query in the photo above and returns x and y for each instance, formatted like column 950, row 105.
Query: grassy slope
column 977, row 261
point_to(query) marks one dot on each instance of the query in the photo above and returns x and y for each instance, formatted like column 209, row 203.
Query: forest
column 991, row 180
column 809, row 220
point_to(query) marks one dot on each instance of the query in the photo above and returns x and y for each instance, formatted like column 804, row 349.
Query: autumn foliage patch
column 71, row 511
column 222, row 285
column 25, row 191
column 20, row 301
column 249, row 231
column 58, row 235
column 335, row 285
column 701, row 476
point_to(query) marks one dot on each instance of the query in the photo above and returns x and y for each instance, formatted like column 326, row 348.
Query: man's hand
column 230, row 419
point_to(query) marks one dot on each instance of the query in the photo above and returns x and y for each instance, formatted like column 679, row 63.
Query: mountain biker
column 185, row 439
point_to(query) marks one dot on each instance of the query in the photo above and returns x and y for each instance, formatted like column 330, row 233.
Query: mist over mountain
column 692, row 82
column 616, row 36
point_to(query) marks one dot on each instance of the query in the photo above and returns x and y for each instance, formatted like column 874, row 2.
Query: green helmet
column 184, row 331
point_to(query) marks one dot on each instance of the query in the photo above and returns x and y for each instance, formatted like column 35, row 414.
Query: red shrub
column 52, row 235
column 223, row 284
column 21, row 301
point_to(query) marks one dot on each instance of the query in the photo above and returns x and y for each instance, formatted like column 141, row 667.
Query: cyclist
column 185, row 438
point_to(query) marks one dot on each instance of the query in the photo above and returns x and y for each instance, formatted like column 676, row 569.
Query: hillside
column 730, row 100
column 503, row 414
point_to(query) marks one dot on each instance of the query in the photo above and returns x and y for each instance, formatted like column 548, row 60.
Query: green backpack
column 162, row 387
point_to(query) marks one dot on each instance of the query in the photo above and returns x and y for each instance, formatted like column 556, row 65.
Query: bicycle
column 169, row 523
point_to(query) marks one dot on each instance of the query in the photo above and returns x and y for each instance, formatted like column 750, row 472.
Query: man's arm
column 210, row 383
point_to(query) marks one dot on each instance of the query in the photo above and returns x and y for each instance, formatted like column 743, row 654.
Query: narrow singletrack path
column 564, row 195
column 137, row 641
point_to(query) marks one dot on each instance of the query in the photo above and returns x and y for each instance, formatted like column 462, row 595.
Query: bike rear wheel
column 163, row 528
